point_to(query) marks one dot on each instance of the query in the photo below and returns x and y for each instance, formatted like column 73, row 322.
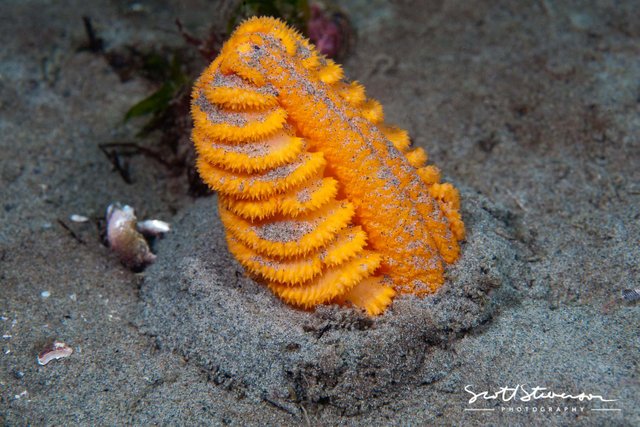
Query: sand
column 531, row 108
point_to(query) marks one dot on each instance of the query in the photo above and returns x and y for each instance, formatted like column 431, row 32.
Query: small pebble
column 137, row 7
column 45, row 294
column 23, row 394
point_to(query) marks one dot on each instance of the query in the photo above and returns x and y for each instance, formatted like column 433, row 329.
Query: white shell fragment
column 57, row 350
column 78, row 218
column 125, row 239
column 153, row 227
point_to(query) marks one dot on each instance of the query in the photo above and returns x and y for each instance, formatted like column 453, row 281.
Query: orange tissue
column 321, row 200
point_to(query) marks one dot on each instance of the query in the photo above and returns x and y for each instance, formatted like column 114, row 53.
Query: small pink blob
column 324, row 32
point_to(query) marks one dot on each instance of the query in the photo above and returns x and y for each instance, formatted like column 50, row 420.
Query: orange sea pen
column 321, row 200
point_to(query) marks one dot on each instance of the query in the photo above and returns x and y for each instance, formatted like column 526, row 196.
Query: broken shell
column 57, row 350
column 153, row 227
column 124, row 238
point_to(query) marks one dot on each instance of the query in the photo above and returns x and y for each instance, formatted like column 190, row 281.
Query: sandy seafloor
column 531, row 107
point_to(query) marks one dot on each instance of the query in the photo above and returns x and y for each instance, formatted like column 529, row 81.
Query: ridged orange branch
column 321, row 200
